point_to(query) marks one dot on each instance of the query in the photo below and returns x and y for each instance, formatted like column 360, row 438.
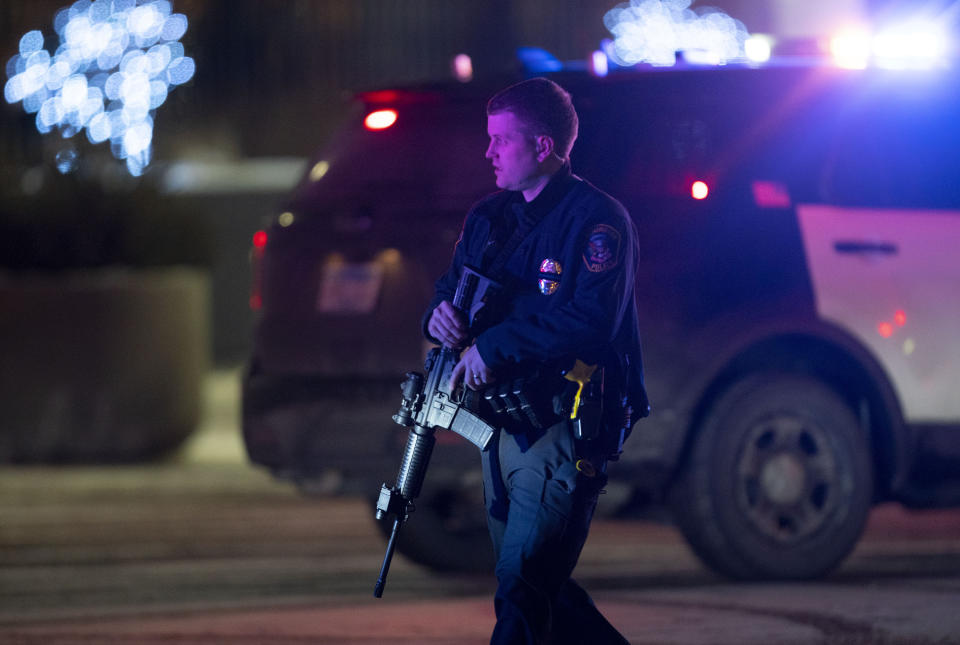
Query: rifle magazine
column 472, row 428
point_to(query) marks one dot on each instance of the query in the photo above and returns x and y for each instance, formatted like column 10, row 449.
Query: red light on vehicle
column 770, row 194
column 381, row 96
column 380, row 119
column 900, row 318
column 885, row 329
column 260, row 239
column 699, row 190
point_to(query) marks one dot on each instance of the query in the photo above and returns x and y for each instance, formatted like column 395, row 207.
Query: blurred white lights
column 911, row 45
column 116, row 63
column 653, row 31
column 758, row 48
column 851, row 49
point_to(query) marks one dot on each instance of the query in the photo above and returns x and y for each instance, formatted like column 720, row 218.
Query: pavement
column 110, row 557
column 722, row 614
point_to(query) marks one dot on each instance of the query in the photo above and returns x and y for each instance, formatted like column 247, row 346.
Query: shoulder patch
column 603, row 248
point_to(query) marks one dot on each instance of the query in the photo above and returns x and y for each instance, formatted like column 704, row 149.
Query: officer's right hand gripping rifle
column 428, row 403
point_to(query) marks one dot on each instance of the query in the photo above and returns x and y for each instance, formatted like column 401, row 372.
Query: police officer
column 566, row 255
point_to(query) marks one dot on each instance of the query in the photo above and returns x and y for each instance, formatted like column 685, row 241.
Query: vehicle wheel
column 448, row 529
column 778, row 483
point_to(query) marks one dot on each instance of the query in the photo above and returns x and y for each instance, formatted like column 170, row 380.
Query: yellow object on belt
column 580, row 374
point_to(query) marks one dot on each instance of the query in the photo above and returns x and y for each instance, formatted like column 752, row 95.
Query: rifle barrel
column 385, row 567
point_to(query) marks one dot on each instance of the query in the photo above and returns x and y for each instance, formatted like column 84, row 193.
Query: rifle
column 428, row 404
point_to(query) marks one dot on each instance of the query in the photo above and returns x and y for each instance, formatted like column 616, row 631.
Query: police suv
column 798, row 287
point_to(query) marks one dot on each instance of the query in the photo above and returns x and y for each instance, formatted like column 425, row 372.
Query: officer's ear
column 544, row 147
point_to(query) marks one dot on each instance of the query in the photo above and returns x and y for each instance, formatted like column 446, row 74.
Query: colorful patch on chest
column 603, row 248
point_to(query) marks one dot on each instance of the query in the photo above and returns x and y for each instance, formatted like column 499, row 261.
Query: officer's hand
column 448, row 325
column 471, row 370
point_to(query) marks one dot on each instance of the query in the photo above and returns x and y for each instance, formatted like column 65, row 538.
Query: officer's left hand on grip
column 448, row 325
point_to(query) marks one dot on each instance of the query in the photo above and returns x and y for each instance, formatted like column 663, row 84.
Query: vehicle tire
column 448, row 530
column 778, row 483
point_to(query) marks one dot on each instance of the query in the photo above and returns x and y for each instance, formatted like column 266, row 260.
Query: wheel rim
column 788, row 484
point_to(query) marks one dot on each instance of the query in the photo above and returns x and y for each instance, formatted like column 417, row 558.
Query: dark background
column 273, row 80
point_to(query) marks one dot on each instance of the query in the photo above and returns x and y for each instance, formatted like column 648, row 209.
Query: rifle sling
column 526, row 222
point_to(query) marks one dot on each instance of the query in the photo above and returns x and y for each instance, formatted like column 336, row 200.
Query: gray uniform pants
column 539, row 508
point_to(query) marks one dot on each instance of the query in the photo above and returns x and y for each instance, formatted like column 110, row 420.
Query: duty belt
column 544, row 399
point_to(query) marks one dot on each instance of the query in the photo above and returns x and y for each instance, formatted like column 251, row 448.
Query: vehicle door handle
column 858, row 247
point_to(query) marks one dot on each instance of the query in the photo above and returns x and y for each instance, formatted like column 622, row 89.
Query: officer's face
column 513, row 152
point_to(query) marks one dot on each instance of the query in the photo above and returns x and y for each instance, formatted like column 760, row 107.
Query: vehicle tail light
column 256, row 267
column 699, row 190
column 380, row 119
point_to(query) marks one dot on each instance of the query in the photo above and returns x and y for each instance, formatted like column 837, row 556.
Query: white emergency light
column 910, row 45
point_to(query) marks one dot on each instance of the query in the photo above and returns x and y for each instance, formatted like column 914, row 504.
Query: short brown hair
column 543, row 107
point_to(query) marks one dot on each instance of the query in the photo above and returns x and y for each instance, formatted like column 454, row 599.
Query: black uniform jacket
column 569, row 283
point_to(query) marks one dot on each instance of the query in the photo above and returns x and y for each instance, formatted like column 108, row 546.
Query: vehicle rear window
column 431, row 153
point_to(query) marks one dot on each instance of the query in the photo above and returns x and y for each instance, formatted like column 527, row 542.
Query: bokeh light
column 66, row 160
column 115, row 65
column 758, row 48
column 599, row 65
column 851, row 49
column 319, row 170
column 915, row 45
column 653, row 31
column 463, row 68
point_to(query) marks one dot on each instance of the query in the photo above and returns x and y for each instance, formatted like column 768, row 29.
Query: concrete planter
column 101, row 365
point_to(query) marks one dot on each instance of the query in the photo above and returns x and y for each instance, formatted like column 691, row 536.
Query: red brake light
column 380, row 119
column 381, row 96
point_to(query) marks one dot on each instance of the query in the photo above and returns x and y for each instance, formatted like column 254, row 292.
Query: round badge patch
column 549, row 281
column 603, row 248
